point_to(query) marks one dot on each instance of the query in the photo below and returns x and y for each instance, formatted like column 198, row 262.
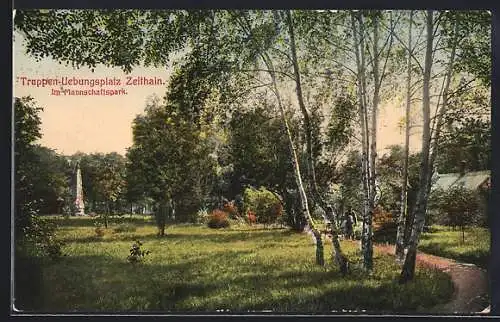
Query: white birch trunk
column 404, row 190
column 408, row 270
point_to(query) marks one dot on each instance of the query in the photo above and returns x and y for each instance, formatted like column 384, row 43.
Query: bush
column 218, row 219
column 136, row 253
column 457, row 207
column 264, row 204
column 231, row 209
column 384, row 226
column 39, row 239
column 251, row 218
column 202, row 216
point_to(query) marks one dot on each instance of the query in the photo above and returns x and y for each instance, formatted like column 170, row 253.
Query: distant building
column 475, row 180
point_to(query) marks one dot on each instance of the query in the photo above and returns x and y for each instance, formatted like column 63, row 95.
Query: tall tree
column 408, row 270
column 338, row 255
column 404, row 180
column 27, row 131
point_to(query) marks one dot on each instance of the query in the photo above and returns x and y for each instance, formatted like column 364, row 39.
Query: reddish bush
column 381, row 217
column 251, row 218
column 384, row 226
column 231, row 209
column 276, row 210
column 218, row 219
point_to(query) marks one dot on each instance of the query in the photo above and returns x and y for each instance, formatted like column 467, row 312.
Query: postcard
column 251, row 162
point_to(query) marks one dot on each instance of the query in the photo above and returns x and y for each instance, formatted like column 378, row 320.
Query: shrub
column 264, row 204
column 38, row 239
column 384, row 226
column 458, row 207
column 218, row 219
column 251, row 218
column 381, row 217
column 231, row 209
column 202, row 216
column 136, row 253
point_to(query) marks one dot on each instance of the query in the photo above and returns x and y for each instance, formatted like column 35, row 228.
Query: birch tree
column 368, row 119
column 430, row 135
column 404, row 182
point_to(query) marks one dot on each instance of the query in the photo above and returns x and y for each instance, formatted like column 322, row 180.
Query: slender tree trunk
column 338, row 255
column 300, row 98
column 106, row 215
column 363, row 115
column 408, row 270
column 404, row 190
column 296, row 166
column 444, row 104
column 368, row 251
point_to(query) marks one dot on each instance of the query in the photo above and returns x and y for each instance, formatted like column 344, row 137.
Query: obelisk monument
column 78, row 192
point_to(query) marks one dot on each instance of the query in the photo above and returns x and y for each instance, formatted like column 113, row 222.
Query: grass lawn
column 239, row 269
column 445, row 242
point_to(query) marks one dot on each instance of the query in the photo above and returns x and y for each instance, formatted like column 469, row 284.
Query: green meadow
column 238, row 269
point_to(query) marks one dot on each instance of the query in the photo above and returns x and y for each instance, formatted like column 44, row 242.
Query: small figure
column 163, row 212
column 350, row 222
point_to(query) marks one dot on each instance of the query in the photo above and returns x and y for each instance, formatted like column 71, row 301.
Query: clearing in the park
column 239, row 269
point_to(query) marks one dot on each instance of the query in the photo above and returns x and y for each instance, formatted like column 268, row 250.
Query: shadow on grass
column 230, row 236
column 89, row 221
column 97, row 283
column 206, row 283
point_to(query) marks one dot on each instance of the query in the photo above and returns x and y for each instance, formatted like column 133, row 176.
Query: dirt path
column 470, row 281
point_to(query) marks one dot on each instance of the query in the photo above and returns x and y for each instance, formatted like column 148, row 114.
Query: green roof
column 470, row 180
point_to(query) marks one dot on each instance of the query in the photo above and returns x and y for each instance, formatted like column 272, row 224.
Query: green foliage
column 103, row 181
column 474, row 42
column 218, row 219
column 265, row 204
column 340, row 127
column 349, row 193
column 171, row 156
column 27, row 131
column 457, row 207
column 50, row 180
column 70, row 35
column 137, row 254
column 258, row 149
column 390, row 171
column 35, row 237
column 466, row 136
column 39, row 239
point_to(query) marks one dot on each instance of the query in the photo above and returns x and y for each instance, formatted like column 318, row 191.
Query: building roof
column 470, row 180
column 445, row 181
